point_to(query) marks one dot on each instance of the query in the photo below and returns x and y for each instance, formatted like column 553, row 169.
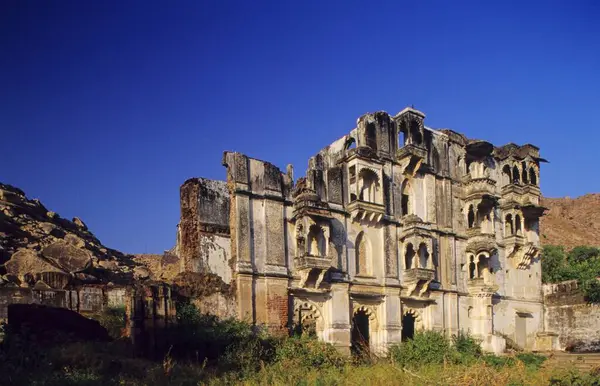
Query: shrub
column 426, row 347
column 499, row 361
column 308, row 352
column 466, row 344
column 531, row 360
column 114, row 319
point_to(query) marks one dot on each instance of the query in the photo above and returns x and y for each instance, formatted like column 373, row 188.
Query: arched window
column 350, row 143
column 507, row 174
column 524, row 172
column 316, row 241
column 516, row 177
column 472, row 267
column 482, row 264
column 532, row 176
column 518, row 225
column 370, row 190
column 363, row 254
column 471, row 217
column 415, row 133
column 423, row 256
column 409, row 256
column 508, row 225
column 406, row 198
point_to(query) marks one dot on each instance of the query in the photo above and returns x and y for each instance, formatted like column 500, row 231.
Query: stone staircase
column 583, row 362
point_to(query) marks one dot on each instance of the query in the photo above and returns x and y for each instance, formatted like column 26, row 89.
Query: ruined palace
column 395, row 227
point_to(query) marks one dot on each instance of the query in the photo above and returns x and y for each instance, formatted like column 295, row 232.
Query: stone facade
column 571, row 317
column 395, row 227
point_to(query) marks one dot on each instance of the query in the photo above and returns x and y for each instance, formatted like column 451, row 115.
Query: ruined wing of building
column 395, row 227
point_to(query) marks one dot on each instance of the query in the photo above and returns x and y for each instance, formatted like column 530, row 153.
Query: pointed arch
column 532, row 176
column 508, row 225
column 516, row 176
column 424, row 261
column 507, row 174
column 471, row 217
column 370, row 187
column 407, row 198
column 518, row 230
column 472, row 267
column 409, row 254
column 524, row 173
column 363, row 254
column 316, row 241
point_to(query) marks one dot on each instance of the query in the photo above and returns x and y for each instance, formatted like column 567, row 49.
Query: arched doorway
column 360, row 332
column 408, row 326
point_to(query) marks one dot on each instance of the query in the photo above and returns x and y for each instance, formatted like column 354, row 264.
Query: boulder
column 141, row 273
column 77, row 221
column 26, row 261
column 67, row 256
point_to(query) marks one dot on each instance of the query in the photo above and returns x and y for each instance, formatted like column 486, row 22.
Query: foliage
column 467, row 345
column 308, row 352
column 531, row 360
column 114, row 319
column 252, row 357
column 581, row 264
column 426, row 347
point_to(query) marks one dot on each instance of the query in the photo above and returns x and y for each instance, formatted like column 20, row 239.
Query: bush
column 308, row 352
column 467, row 345
column 114, row 319
column 426, row 347
column 531, row 360
column 499, row 361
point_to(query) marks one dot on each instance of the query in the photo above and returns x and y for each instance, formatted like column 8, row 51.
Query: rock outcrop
column 571, row 221
column 38, row 246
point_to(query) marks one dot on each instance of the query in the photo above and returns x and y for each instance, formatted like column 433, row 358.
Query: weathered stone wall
column 203, row 243
column 576, row 322
column 394, row 220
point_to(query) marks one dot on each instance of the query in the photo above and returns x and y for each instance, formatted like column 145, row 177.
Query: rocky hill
column 571, row 221
column 38, row 247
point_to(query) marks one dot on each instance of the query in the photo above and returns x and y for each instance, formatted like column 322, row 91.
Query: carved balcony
column 310, row 262
column 312, row 270
column 480, row 287
column 418, row 274
column 479, row 242
column 416, row 281
column 479, row 187
column 415, row 155
column 519, row 195
column 367, row 211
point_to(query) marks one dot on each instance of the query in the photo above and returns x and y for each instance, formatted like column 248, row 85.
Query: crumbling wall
column 204, row 235
column 576, row 322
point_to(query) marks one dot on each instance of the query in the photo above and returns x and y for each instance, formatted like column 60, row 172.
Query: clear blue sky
column 107, row 107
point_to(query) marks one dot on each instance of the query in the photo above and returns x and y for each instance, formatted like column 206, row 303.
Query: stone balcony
column 310, row 262
column 519, row 194
column 414, row 154
column 418, row 274
column 480, row 242
column 367, row 211
column 479, row 187
column 479, row 286
column 416, row 281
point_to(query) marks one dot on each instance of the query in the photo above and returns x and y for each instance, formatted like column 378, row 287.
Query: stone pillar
column 336, row 316
column 391, row 323
column 245, row 298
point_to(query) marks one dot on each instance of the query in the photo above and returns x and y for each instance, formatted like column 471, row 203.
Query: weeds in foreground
column 245, row 357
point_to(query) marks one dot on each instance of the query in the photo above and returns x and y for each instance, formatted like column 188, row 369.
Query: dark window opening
column 408, row 327
column 360, row 332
